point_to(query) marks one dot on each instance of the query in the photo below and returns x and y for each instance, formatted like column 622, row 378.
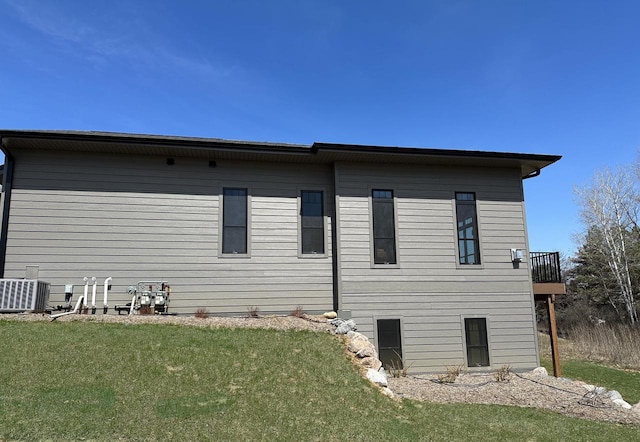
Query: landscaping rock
column 364, row 350
column 595, row 391
column 540, row 371
column 636, row 408
column 377, row 377
column 622, row 403
column 371, row 362
column 387, row 392
column 613, row 395
column 360, row 345
column 600, row 391
column 330, row 315
column 368, row 352
column 342, row 326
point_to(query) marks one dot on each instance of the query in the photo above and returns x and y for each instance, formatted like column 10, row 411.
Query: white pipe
column 54, row 317
column 133, row 303
column 93, row 295
column 106, row 290
column 86, row 291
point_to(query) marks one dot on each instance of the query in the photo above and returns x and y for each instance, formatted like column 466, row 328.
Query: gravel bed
column 522, row 389
column 314, row 323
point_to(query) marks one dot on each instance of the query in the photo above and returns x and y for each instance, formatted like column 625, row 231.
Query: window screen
column 234, row 221
column 312, row 220
column 467, row 222
column 477, row 346
column 384, row 236
column 389, row 342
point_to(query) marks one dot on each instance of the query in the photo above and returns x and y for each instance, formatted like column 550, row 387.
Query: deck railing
column 545, row 267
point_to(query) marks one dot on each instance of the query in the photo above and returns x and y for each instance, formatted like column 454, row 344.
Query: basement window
column 477, row 344
column 389, row 343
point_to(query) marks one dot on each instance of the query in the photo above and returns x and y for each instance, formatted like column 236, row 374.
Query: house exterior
column 413, row 244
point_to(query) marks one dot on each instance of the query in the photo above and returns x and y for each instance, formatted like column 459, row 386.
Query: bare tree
column 610, row 205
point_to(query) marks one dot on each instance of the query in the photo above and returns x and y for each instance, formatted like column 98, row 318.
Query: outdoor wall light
column 517, row 255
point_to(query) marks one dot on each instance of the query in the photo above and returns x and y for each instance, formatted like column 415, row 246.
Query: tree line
column 603, row 278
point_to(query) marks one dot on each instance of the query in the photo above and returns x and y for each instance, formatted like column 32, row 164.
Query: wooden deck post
column 553, row 335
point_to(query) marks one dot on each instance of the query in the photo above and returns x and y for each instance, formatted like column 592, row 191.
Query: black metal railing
column 545, row 267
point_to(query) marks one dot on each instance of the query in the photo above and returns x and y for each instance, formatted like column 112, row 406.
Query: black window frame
column 477, row 342
column 383, row 200
column 232, row 223
column 312, row 223
column 389, row 355
column 466, row 201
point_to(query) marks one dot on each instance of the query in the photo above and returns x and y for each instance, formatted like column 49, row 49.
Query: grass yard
column 83, row 380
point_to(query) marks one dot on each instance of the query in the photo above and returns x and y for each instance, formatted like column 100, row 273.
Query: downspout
column 7, row 185
column 335, row 276
column 334, row 246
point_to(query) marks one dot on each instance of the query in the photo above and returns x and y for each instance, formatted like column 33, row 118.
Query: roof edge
column 160, row 140
column 337, row 147
column 533, row 161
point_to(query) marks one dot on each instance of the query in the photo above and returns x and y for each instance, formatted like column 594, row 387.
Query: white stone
column 636, row 408
column 377, row 378
column 540, row 371
column 589, row 387
column 387, row 392
column 330, row 315
column 622, row 403
column 600, row 390
column 613, row 395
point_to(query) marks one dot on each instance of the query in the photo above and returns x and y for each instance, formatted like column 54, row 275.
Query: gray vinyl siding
column 136, row 218
column 427, row 289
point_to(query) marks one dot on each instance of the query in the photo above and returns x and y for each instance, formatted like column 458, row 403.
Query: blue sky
column 557, row 77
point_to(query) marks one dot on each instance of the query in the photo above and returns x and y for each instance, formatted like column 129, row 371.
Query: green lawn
column 95, row 381
column 627, row 383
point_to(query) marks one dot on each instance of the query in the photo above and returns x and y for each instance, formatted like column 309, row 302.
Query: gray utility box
column 23, row 295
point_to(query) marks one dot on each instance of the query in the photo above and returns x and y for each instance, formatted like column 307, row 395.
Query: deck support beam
column 546, row 292
column 553, row 335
